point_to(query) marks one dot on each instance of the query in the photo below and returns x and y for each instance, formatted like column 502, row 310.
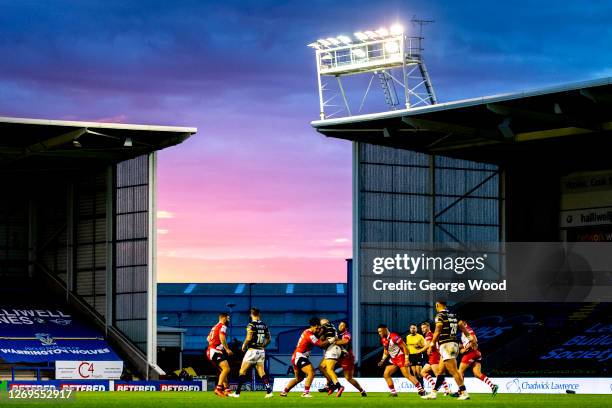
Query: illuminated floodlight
column 390, row 54
column 359, row 53
column 392, row 47
column 383, row 32
column 345, row 39
column 361, row 36
column 396, row 29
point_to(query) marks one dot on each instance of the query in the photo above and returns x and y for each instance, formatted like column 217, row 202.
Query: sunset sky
column 257, row 195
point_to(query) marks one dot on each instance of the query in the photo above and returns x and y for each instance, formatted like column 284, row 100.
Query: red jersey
column 392, row 343
column 214, row 337
column 306, row 342
column 429, row 338
column 346, row 335
column 464, row 339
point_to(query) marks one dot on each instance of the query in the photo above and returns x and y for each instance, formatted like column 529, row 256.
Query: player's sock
column 241, row 380
column 392, row 388
column 430, row 380
column 485, row 380
column 439, row 382
column 286, row 390
column 446, row 387
column 266, row 381
column 461, row 389
column 307, row 389
column 421, row 381
column 418, row 386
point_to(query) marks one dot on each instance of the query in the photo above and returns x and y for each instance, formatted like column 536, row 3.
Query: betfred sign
column 88, row 370
column 175, row 386
column 74, row 385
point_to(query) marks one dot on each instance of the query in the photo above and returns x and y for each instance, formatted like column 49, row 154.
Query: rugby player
column 446, row 336
column 471, row 357
column 347, row 360
column 395, row 349
column 433, row 358
column 415, row 342
column 332, row 353
column 257, row 339
column 218, row 351
column 302, row 367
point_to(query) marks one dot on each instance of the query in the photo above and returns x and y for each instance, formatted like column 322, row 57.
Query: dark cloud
column 147, row 53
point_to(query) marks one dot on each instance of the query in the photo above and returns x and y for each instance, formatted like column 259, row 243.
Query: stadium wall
column 401, row 196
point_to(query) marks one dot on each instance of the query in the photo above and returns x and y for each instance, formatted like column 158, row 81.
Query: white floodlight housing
column 333, row 40
column 361, row 36
column 392, row 47
column 345, row 39
column 314, row 45
column 324, row 43
column 371, row 35
column 359, row 53
column 383, row 32
column 396, row 29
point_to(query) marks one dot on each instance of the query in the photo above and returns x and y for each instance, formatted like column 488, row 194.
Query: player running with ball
column 302, row 367
column 471, row 357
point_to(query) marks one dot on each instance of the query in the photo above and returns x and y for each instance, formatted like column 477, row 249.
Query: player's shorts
column 216, row 356
column 399, row 360
column 347, row 361
column 449, row 350
column 471, row 357
column 254, row 356
column 333, row 352
column 416, row 359
column 434, row 358
column 299, row 361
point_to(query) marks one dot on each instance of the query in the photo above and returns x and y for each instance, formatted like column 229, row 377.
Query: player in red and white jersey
column 395, row 349
column 471, row 357
column 302, row 367
column 218, row 352
column 347, row 360
column 433, row 354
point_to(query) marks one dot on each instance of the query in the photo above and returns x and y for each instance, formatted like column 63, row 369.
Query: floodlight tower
column 390, row 55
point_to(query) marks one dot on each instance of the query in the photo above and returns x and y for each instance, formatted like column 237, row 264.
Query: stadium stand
column 285, row 308
column 35, row 332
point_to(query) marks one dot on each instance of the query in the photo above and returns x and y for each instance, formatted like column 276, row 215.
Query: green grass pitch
column 256, row 399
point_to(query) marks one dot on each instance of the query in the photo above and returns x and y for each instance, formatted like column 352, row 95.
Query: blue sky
column 257, row 193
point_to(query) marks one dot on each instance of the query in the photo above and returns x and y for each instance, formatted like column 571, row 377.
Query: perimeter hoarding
column 507, row 385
